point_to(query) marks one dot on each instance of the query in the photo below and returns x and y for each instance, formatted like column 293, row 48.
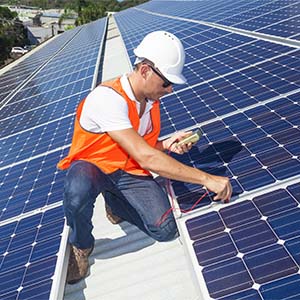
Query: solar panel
column 44, row 108
column 261, row 16
column 30, row 185
column 37, row 122
column 221, row 52
column 250, row 248
column 255, row 148
column 229, row 93
column 29, row 252
column 273, row 13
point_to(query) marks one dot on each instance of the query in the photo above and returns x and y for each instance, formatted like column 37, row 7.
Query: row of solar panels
column 243, row 92
column 13, row 78
column 40, row 96
column 37, row 119
column 272, row 17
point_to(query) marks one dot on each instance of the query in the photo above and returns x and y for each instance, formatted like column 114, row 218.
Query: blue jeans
column 140, row 200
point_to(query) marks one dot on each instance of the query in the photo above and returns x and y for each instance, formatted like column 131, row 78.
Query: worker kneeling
column 115, row 146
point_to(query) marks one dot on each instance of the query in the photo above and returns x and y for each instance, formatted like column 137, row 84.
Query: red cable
column 195, row 204
column 165, row 215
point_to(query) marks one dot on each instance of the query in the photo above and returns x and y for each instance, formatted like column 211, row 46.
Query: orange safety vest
column 100, row 149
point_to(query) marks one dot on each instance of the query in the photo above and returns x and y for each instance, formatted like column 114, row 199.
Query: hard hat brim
column 176, row 79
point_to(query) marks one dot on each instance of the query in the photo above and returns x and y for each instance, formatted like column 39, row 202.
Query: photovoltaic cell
column 234, row 276
column 285, row 288
column 248, row 294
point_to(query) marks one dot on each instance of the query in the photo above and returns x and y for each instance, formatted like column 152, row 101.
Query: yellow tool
column 193, row 138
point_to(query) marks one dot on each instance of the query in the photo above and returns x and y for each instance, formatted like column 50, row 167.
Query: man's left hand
column 171, row 144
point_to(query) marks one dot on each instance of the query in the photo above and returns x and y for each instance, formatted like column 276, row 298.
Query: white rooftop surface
column 126, row 264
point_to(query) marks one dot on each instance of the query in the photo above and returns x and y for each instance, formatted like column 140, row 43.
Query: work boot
column 78, row 264
column 114, row 219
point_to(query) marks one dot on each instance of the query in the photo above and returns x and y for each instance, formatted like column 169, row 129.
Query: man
column 115, row 146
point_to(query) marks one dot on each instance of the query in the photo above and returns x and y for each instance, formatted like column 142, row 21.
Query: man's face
column 157, row 85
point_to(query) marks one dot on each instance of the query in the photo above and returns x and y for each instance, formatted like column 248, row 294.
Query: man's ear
column 144, row 70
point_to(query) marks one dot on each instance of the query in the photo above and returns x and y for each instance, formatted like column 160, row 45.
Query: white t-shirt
column 106, row 110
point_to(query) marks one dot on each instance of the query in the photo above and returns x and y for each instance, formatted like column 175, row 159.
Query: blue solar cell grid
column 210, row 52
column 31, row 185
column 280, row 18
column 40, row 117
column 36, row 141
column 37, row 124
column 74, row 63
column 227, row 94
column 28, row 255
column 250, row 249
column 11, row 79
column 255, row 148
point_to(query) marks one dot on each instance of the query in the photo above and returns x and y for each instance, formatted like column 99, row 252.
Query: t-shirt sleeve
column 104, row 110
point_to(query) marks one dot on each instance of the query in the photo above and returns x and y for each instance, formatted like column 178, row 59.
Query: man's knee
column 77, row 192
column 164, row 232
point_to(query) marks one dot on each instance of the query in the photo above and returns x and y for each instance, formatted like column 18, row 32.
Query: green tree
column 12, row 33
column 90, row 12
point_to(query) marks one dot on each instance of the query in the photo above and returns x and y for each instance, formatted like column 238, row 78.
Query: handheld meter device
column 192, row 138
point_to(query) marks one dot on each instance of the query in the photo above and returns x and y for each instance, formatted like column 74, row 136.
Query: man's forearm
column 168, row 167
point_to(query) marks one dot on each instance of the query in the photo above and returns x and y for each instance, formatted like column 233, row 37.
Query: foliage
column 12, row 33
column 5, row 13
column 112, row 5
column 68, row 27
column 89, row 10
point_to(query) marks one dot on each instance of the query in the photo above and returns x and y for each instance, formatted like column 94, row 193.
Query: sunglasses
column 166, row 83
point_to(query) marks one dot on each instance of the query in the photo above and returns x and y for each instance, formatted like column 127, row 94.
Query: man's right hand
column 221, row 186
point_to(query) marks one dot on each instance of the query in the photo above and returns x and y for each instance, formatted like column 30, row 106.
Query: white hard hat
column 165, row 50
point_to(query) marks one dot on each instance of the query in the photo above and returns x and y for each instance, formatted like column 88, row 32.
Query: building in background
column 42, row 24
